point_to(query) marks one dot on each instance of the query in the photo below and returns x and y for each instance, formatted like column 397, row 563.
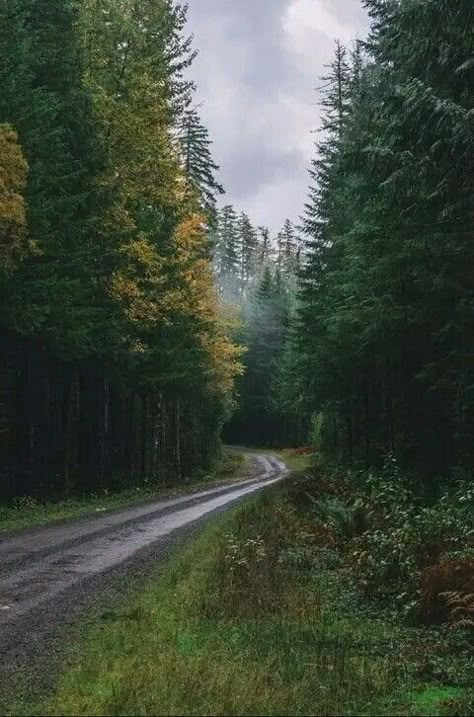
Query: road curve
column 47, row 574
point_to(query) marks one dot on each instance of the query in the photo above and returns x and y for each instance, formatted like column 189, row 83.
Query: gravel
column 54, row 581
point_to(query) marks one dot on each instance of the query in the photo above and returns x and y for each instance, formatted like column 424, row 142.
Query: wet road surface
column 48, row 574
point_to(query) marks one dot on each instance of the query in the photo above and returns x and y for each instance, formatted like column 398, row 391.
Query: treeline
column 385, row 331
column 366, row 344
column 256, row 275
column 115, row 362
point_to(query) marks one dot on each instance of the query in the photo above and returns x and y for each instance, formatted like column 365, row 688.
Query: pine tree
column 227, row 255
column 249, row 249
column 265, row 249
column 288, row 249
column 199, row 167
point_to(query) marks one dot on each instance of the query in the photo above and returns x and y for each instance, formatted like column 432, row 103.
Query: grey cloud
column 253, row 28
column 255, row 16
column 350, row 12
column 254, row 166
column 258, row 98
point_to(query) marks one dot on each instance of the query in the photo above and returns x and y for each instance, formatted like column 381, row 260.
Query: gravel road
column 50, row 576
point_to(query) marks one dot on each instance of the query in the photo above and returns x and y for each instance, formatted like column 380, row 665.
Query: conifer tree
column 128, row 366
column 384, row 225
column 249, row 249
column 265, row 249
column 42, row 98
column 288, row 249
column 227, row 255
column 199, row 167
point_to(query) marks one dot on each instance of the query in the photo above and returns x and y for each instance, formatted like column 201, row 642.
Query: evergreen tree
column 120, row 361
column 265, row 329
column 265, row 249
column 199, row 167
column 227, row 255
column 44, row 101
column 288, row 249
column 249, row 250
column 387, row 220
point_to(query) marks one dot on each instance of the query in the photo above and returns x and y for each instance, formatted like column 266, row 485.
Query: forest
column 116, row 362
column 142, row 316
column 370, row 350
column 264, row 429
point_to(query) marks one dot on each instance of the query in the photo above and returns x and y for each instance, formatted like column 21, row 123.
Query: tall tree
column 227, row 255
column 389, row 215
column 265, row 249
column 265, row 316
column 249, row 249
column 199, row 168
column 114, row 359
column 288, row 249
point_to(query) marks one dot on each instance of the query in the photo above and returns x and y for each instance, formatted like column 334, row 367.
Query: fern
column 461, row 606
column 349, row 520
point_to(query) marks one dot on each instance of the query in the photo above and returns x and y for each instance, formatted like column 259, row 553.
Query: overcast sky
column 256, row 72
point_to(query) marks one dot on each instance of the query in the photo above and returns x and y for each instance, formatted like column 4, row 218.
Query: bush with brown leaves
column 449, row 577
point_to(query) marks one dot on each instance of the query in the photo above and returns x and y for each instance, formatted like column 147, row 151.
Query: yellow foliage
column 162, row 279
column 203, row 306
column 13, row 178
column 140, row 285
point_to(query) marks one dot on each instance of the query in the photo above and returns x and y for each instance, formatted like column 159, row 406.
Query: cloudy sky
column 257, row 70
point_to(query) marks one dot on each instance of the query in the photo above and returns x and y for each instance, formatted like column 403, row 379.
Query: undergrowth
column 270, row 613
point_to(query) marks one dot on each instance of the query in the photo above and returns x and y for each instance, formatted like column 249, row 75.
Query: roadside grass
column 258, row 617
column 28, row 512
column 296, row 459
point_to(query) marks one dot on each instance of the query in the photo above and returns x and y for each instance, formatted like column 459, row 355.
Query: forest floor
column 262, row 616
column 27, row 512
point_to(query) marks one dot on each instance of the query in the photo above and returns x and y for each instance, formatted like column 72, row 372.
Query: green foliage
column 349, row 520
column 386, row 294
column 389, row 535
column 113, row 299
column 308, row 645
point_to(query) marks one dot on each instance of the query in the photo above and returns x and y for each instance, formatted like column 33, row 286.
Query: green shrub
column 387, row 534
column 349, row 519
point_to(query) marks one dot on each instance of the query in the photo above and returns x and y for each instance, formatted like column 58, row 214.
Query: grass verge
column 29, row 512
column 260, row 617
column 297, row 460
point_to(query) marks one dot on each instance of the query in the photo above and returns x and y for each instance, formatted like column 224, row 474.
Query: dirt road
column 48, row 575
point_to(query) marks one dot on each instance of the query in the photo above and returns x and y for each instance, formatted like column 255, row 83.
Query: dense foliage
column 256, row 276
column 114, row 334
column 386, row 311
column 365, row 331
column 114, row 358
